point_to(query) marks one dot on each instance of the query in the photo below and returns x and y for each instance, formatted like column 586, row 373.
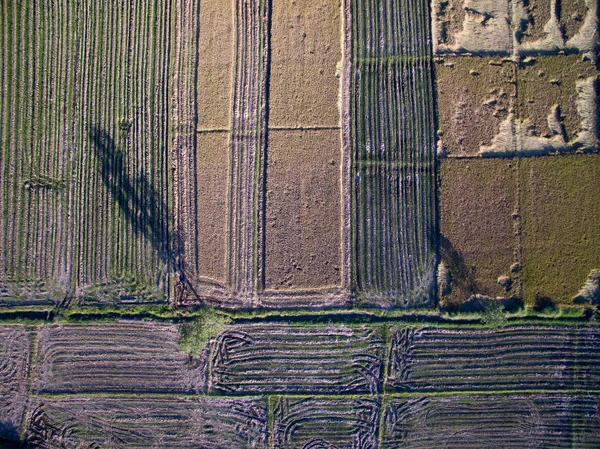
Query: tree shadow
column 139, row 201
column 463, row 277
column 142, row 205
column 544, row 304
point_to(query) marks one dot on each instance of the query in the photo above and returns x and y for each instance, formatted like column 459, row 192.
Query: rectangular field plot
column 296, row 359
column 305, row 50
column 148, row 422
column 14, row 362
column 332, row 423
column 478, row 244
column 490, row 421
column 215, row 63
column 561, row 228
column 124, row 357
column 303, row 211
column 84, row 151
column 392, row 144
column 212, row 176
column 512, row 358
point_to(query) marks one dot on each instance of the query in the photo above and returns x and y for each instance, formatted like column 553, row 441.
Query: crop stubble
column 393, row 153
column 148, row 421
column 512, row 358
column 119, row 357
column 314, row 423
column 296, row 359
column 84, row 149
column 15, row 344
column 476, row 421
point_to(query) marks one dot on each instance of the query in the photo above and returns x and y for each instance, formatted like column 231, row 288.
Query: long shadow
column 140, row 202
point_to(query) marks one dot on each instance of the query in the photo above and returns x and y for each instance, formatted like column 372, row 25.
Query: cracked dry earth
column 345, row 224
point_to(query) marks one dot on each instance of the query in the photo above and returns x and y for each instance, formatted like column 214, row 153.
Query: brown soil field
column 212, row 166
column 478, row 243
column 215, row 64
column 305, row 50
column 450, row 16
column 547, row 81
column 572, row 16
column 475, row 94
column 539, row 12
column 475, row 26
column 303, row 219
column 561, row 225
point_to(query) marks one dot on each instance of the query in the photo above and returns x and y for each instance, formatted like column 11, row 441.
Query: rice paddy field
column 273, row 224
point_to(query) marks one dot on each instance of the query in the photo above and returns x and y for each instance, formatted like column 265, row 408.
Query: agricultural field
column 289, row 224
column 14, row 385
column 478, row 245
column 296, row 359
column 511, row 358
column 560, row 228
column 393, row 160
column 471, row 421
column 110, row 358
column 85, row 139
column 312, row 423
column 151, row 421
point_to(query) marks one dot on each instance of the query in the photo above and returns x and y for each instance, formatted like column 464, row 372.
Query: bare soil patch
column 306, row 48
column 303, row 219
column 475, row 94
column 478, row 242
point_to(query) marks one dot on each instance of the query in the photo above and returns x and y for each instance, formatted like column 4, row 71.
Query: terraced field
column 393, row 150
column 84, row 144
column 512, row 358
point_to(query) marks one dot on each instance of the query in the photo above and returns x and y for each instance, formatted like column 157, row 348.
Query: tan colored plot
column 475, row 94
column 548, row 82
column 561, row 225
column 305, row 50
column 537, row 14
column 303, row 222
column 573, row 14
column 215, row 64
column 478, row 243
column 212, row 165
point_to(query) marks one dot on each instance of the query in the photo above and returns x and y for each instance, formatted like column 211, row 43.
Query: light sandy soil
column 549, row 81
column 306, row 49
